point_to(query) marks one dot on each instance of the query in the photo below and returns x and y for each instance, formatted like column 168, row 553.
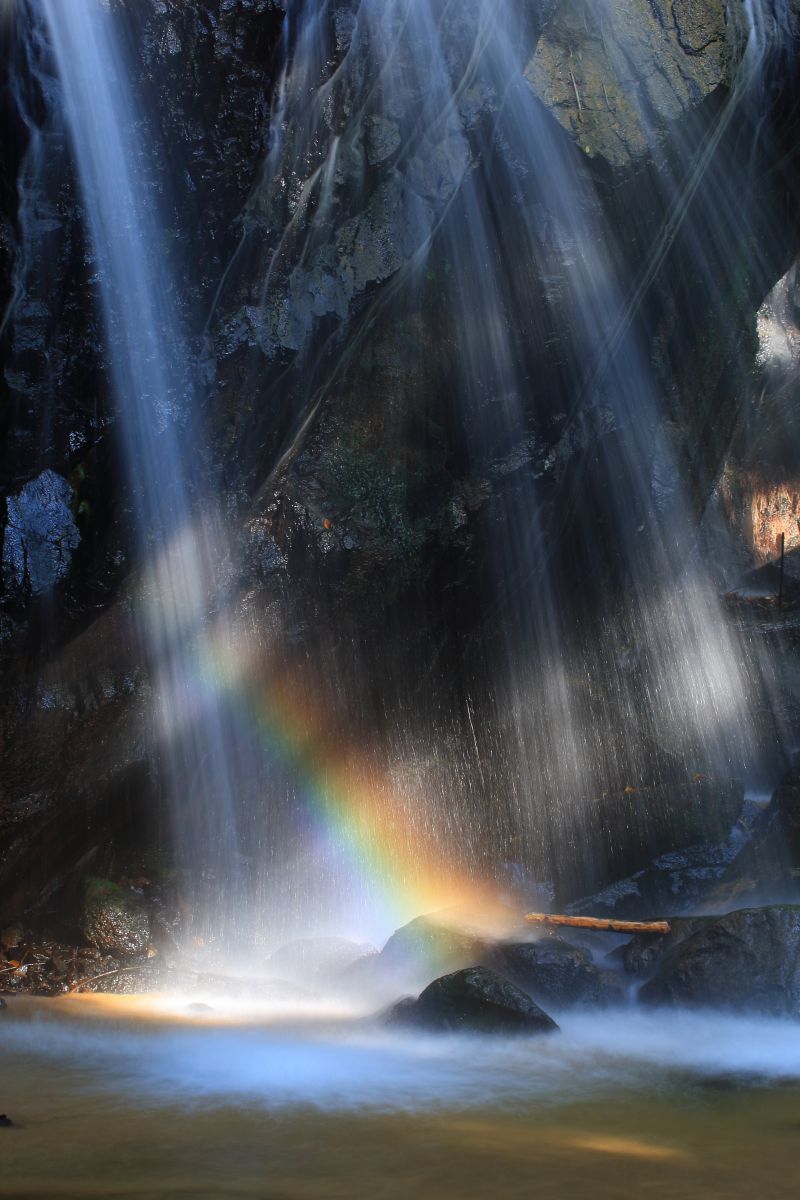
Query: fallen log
column 605, row 923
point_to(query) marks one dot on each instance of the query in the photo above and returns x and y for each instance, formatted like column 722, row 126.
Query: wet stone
column 748, row 960
column 115, row 919
column 556, row 973
column 475, row 1000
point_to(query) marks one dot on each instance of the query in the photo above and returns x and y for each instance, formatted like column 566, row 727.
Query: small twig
column 93, row 978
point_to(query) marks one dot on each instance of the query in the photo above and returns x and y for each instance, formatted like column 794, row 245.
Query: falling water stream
column 616, row 664
column 158, row 397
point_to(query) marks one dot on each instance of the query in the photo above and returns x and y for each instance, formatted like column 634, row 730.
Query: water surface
column 107, row 1104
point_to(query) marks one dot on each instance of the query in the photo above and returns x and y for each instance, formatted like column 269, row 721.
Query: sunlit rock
column 427, row 945
column 614, row 74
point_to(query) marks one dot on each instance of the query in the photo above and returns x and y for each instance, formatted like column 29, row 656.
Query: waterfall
column 619, row 664
column 414, row 174
column 158, row 400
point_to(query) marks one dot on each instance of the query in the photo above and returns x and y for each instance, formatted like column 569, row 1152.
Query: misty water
column 116, row 1100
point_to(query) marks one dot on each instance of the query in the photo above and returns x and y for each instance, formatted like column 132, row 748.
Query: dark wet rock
column 676, row 882
column 115, row 919
column 124, row 980
column 557, row 974
column 660, row 850
column 786, row 803
column 765, row 872
column 5, row 1121
column 40, row 534
column 748, row 960
column 12, row 937
column 642, row 954
column 473, row 1000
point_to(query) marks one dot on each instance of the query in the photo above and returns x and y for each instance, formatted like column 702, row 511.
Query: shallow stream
column 114, row 1099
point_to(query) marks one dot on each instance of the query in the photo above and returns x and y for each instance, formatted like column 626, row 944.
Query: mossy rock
column 115, row 919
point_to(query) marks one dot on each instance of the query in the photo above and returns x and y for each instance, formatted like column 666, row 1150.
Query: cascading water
column 620, row 668
column 415, row 181
column 158, row 398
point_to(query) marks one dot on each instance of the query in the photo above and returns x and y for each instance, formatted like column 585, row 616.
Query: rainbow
column 385, row 837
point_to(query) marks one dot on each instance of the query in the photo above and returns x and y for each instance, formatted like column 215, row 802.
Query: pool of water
column 114, row 1100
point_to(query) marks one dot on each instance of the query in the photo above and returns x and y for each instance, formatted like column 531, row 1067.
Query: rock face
column 115, row 919
column 557, row 974
column 40, row 534
column 614, row 74
column 476, row 1000
column 746, row 961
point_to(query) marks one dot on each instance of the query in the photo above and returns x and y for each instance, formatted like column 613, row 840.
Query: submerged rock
column 474, row 1000
column 746, row 960
column 115, row 919
column 554, row 972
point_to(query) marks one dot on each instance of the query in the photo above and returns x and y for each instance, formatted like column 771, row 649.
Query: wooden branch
column 599, row 923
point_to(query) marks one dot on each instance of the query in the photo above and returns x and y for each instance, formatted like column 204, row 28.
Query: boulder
column 316, row 960
column 643, row 953
column 556, row 973
column 115, row 919
column 474, row 1000
column 680, row 881
column 746, row 960
column 432, row 947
